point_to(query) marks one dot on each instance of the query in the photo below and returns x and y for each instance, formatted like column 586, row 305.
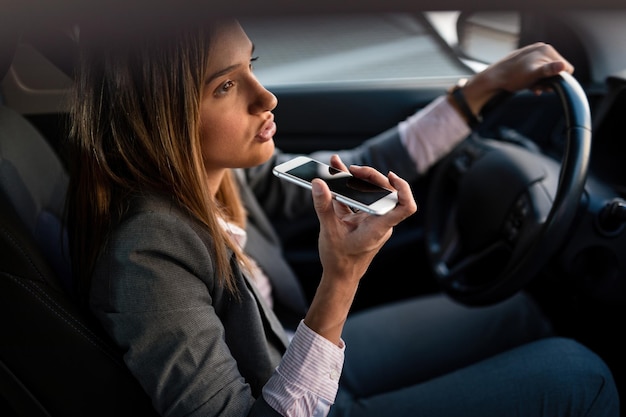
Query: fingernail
column 316, row 188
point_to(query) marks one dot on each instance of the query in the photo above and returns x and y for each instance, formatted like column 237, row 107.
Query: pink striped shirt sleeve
column 306, row 381
column 432, row 132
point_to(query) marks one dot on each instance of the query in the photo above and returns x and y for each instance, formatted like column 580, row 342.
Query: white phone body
column 354, row 192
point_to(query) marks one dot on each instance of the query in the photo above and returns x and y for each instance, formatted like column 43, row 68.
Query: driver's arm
column 432, row 132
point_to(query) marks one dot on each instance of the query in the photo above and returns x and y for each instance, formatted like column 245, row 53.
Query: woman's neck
column 214, row 179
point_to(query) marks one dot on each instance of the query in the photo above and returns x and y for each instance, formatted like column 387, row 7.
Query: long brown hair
column 135, row 128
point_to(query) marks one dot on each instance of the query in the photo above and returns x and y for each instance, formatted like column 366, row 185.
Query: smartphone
column 354, row 192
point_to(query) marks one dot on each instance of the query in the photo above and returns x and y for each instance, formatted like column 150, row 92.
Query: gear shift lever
column 612, row 216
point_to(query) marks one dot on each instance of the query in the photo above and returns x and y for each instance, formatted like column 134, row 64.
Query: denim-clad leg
column 434, row 357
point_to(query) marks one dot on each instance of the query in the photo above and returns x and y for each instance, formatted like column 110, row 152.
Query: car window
column 346, row 48
column 297, row 50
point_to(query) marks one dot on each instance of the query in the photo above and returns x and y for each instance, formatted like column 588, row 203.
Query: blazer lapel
column 267, row 313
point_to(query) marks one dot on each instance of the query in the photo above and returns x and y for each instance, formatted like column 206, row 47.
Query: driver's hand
column 522, row 69
column 347, row 244
column 349, row 241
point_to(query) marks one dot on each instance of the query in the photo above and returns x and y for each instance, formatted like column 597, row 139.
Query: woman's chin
column 265, row 153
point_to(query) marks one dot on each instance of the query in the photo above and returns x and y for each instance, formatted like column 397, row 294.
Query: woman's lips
column 267, row 131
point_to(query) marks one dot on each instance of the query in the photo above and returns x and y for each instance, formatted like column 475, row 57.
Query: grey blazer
column 197, row 350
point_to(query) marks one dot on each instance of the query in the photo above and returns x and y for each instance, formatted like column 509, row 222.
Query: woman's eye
column 224, row 88
column 252, row 60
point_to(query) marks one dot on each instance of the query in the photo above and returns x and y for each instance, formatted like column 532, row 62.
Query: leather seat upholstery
column 54, row 358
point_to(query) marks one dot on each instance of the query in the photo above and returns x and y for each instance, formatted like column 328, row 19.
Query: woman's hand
column 522, row 69
column 348, row 242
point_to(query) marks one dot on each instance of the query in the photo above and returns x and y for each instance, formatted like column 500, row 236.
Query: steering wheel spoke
column 453, row 268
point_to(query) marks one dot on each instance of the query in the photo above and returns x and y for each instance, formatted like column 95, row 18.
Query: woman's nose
column 264, row 100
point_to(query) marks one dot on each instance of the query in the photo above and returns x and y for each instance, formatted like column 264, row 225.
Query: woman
column 171, row 185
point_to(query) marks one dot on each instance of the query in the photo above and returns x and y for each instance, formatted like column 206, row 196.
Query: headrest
column 9, row 36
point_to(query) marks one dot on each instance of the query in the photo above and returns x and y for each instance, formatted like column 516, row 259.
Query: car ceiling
column 116, row 13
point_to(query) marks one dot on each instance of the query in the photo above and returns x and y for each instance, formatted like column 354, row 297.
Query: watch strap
column 457, row 95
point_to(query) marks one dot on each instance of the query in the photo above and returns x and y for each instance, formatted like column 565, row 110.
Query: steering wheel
column 496, row 212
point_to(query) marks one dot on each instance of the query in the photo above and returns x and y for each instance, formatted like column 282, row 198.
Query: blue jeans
column 434, row 357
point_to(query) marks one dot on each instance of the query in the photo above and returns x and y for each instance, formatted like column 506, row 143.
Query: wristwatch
column 456, row 92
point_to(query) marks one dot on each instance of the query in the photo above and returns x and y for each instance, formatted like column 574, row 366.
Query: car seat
column 54, row 358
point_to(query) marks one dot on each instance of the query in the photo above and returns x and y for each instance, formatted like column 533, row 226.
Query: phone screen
column 340, row 182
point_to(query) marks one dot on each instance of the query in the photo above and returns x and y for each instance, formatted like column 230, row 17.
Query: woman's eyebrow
column 227, row 69
column 222, row 72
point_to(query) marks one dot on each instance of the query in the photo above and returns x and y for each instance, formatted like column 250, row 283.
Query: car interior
column 56, row 361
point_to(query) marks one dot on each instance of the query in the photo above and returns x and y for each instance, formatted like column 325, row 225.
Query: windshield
column 346, row 48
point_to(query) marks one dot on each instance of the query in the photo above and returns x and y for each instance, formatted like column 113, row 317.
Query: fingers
column 322, row 198
column 336, row 162
column 524, row 68
column 546, row 60
column 551, row 63
column 407, row 205
column 550, row 69
column 556, row 62
column 371, row 175
column 326, row 206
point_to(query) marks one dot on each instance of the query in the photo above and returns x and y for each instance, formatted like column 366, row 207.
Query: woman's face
column 237, row 124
